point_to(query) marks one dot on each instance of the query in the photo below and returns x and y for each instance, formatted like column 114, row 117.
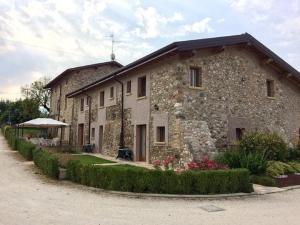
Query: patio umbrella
column 43, row 123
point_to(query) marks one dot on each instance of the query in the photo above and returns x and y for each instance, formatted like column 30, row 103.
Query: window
column 239, row 133
column 111, row 93
column 195, row 77
column 101, row 99
column 93, row 132
column 82, row 104
column 128, row 87
column 66, row 102
column 270, row 88
column 58, row 105
column 160, row 134
column 87, row 100
column 141, row 87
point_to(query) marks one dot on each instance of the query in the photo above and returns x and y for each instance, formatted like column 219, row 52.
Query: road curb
column 186, row 197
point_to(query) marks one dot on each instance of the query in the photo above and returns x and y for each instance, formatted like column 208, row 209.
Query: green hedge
column 25, row 149
column 263, row 180
column 8, row 133
column 47, row 162
column 140, row 180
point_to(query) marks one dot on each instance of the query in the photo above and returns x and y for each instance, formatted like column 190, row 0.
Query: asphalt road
column 29, row 198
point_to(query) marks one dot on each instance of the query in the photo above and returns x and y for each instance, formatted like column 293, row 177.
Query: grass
column 90, row 159
column 63, row 158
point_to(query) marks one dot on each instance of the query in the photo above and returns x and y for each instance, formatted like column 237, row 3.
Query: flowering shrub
column 157, row 164
column 167, row 163
column 206, row 164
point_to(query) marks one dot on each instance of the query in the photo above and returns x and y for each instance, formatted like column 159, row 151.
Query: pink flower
column 156, row 162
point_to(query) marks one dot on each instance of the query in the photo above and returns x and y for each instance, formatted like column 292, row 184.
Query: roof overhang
column 184, row 46
column 79, row 68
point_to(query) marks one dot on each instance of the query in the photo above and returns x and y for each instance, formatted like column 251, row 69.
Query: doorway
column 80, row 134
column 100, row 138
column 141, row 142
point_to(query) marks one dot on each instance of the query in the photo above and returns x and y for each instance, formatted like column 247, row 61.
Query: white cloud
column 248, row 5
column 221, row 20
column 201, row 26
column 290, row 28
column 151, row 22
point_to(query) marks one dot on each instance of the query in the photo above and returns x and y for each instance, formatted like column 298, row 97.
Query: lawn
column 90, row 159
column 63, row 158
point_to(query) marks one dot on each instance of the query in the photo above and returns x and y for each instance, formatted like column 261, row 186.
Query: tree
column 18, row 111
column 36, row 92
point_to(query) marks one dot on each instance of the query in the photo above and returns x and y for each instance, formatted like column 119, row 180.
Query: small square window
column 195, row 77
column 111, row 93
column 81, row 104
column 101, row 103
column 93, row 132
column 128, row 87
column 160, row 134
column 270, row 88
column 141, row 87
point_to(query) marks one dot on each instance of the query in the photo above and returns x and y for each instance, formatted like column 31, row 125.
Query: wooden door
column 100, row 138
column 141, row 142
column 80, row 134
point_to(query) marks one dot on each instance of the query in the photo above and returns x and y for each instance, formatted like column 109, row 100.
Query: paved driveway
column 27, row 197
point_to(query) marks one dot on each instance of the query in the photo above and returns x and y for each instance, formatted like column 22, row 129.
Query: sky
column 43, row 38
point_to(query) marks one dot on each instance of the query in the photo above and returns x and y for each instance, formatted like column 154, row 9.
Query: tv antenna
column 113, row 41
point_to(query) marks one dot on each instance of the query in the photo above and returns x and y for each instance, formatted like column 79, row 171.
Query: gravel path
column 27, row 197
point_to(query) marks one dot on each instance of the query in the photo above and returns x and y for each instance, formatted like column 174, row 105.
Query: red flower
column 156, row 162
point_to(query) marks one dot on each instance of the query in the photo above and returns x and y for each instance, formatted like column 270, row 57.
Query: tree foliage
column 14, row 112
column 36, row 92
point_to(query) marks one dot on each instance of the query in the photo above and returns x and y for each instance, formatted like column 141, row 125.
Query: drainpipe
column 58, row 116
column 90, row 117
column 122, row 142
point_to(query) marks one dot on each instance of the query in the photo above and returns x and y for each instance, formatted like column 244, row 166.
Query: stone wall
column 71, row 82
column 234, row 94
column 198, row 121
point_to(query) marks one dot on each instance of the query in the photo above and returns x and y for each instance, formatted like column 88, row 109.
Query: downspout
column 58, row 116
column 122, row 142
column 90, row 117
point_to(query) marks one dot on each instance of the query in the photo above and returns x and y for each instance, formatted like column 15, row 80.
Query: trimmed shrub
column 271, row 144
column 276, row 168
column 10, row 137
column 47, row 162
column 141, row 180
column 25, row 149
column 263, row 180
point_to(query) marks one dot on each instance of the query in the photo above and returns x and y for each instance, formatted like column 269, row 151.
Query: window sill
column 196, row 88
column 127, row 94
column 159, row 143
column 272, row 98
column 101, row 107
column 111, row 98
column 140, row 98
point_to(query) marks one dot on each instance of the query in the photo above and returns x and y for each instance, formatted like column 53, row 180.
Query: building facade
column 189, row 99
column 61, row 107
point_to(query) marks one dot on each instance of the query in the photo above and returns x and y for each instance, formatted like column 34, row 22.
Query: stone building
column 61, row 107
column 188, row 99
